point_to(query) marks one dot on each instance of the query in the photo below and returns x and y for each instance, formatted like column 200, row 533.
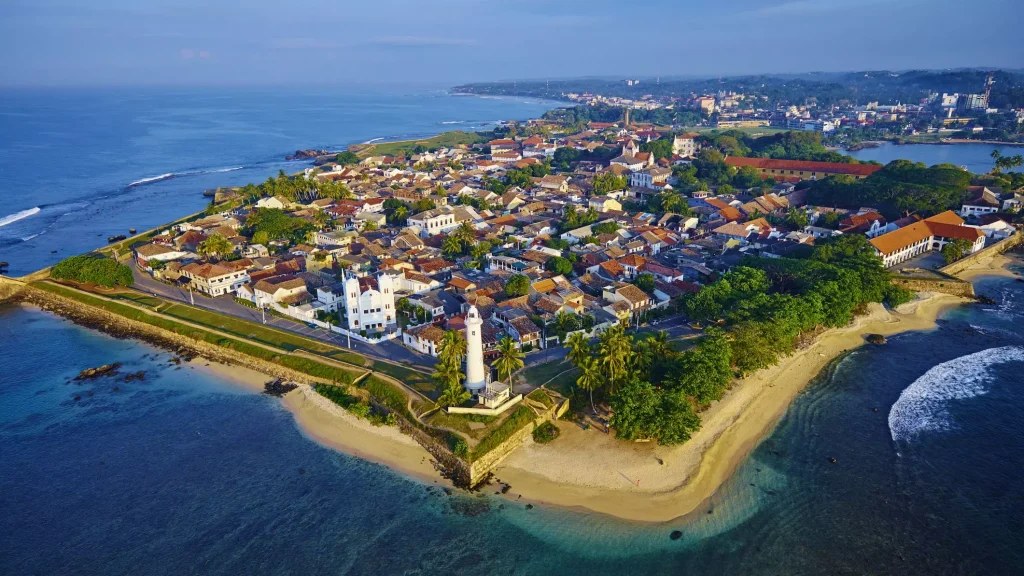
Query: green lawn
column 137, row 298
column 445, row 140
column 260, row 333
column 305, row 365
column 414, row 379
column 541, row 373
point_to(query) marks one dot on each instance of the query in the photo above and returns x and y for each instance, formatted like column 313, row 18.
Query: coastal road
column 391, row 351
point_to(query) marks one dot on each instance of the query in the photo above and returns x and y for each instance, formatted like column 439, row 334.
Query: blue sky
column 200, row 42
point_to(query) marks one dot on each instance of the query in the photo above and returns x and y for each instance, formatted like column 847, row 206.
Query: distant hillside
column 828, row 88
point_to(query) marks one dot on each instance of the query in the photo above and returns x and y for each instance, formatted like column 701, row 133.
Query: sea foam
column 12, row 218
column 924, row 405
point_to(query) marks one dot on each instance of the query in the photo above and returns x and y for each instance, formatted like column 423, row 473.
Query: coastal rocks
column 675, row 535
column 105, row 370
column 118, row 238
column 305, row 154
column 983, row 299
column 877, row 339
column 279, row 387
column 140, row 376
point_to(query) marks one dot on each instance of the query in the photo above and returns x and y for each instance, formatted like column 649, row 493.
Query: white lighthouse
column 476, row 377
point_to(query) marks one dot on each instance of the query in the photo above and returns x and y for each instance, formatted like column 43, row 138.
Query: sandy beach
column 331, row 425
column 593, row 471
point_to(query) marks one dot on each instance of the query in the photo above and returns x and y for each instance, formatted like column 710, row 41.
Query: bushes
column 94, row 270
column 545, row 433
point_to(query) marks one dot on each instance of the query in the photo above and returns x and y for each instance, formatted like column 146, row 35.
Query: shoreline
column 331, row 426
column 594, row 472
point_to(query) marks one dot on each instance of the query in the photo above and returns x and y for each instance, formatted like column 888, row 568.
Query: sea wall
column 949, row 285
column 983, row 256
column 10, row 288
column 121, row 327
column 484, row 465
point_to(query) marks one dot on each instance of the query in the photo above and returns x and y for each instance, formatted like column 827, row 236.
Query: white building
column 685, row 145
column 370, row 303
column 214, row 279
column 433, row 222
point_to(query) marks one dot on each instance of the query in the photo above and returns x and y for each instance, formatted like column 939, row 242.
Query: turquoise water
column 184, row 473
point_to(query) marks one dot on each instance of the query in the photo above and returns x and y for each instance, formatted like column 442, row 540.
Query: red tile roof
column 804, row 165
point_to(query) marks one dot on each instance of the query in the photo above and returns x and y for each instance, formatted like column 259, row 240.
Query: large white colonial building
column 370, row 303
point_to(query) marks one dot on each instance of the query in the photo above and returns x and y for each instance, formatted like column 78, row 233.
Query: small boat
column 131, row 230
column 118, row 238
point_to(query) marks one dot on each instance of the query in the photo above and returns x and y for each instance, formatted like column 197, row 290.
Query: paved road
column 391, row 350
column 227, row 305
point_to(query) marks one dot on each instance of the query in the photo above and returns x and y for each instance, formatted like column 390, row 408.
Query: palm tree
column 660, row 347
column 614, row 350
column 453, row 395
column 590, row 377
column 216, row 246
column 579, row 348
column 465, row 231
column 510, row 359
column 452, row 349
column 452, row 245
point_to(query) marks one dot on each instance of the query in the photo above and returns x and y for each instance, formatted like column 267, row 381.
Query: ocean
column 185, row 472
column 80, row 165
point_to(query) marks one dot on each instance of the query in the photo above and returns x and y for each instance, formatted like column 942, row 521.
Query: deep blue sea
column 187, row 473
column 184, row 473
column 77, row 166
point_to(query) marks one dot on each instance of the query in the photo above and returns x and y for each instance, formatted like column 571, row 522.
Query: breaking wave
column 152, row 179
column 924, row 405
column 12, row 218
column 170, row 175
column 453, row 122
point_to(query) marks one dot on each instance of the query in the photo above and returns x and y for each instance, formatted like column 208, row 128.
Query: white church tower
column 476, row 377
column 372, row 310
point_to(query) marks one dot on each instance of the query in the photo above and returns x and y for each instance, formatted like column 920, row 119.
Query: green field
column 445, row 140
column 260, row 333
column 305, row 365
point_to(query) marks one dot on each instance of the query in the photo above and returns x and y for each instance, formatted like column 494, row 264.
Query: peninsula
column 605, row 313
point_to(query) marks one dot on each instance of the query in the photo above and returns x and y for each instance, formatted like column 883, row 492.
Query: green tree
column 347, row 157
column 517, row 285
column 614, row 348
column 591, row 377
column 216, row 246
column 558, row 265
column 645, row 282
column 509, row 359
column 579, row 348
column 955, row 250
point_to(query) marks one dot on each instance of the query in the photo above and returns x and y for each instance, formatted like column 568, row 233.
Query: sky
column 261, row 42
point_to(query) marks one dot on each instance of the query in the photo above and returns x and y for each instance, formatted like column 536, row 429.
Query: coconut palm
column 510, row 359
column 614, row 350
column 216, row 246
column 452, row 348
column 590, row 377
column 579, row 348
column 452, row 245
column 466, row 232
column 453, row 395
column 659, row 344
